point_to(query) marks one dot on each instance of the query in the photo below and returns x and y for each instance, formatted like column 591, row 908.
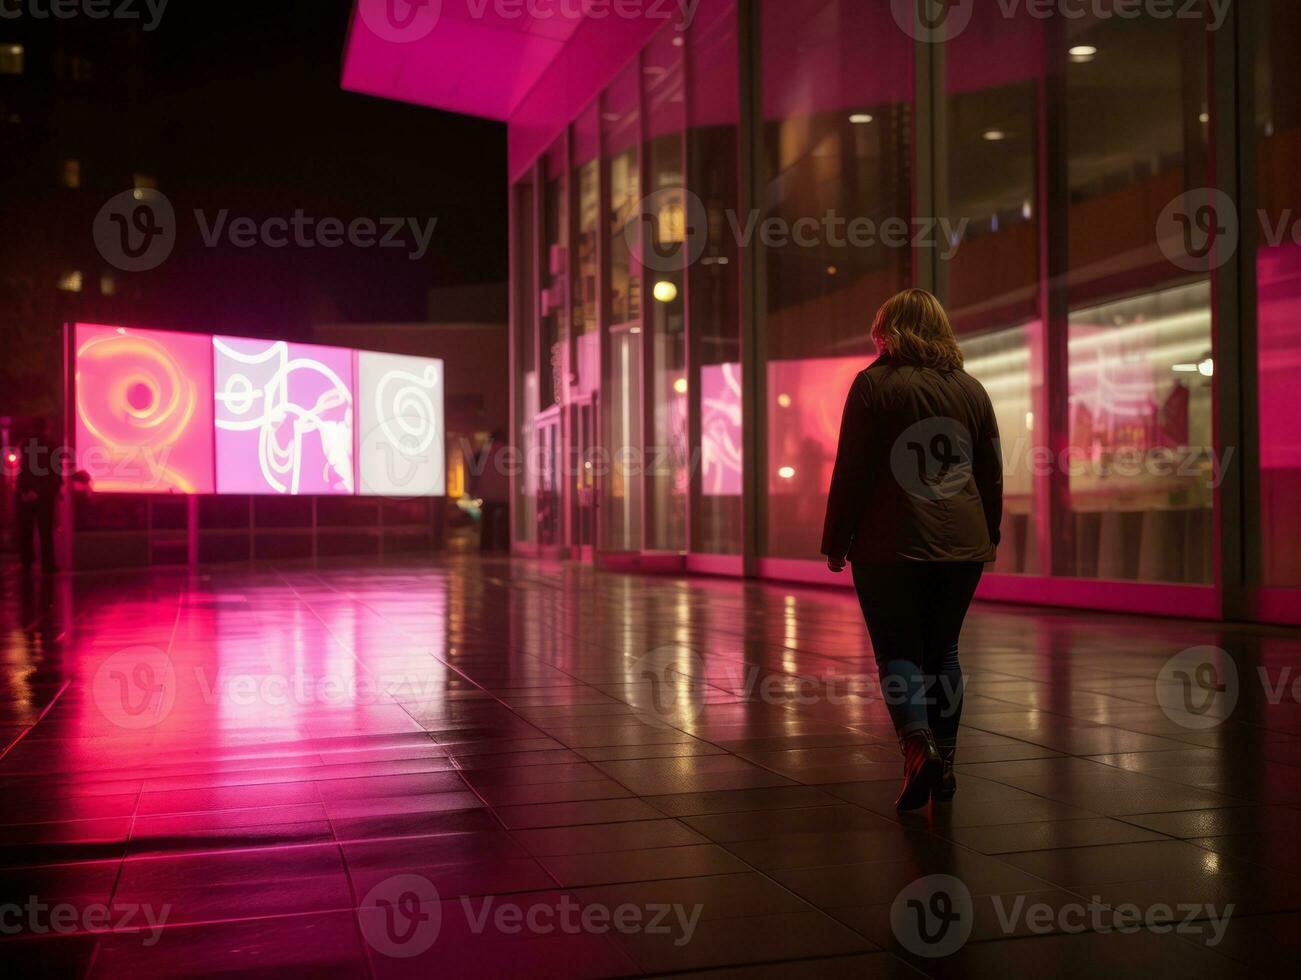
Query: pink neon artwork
column 144, row 410
column 284, row 417
column 720, row 429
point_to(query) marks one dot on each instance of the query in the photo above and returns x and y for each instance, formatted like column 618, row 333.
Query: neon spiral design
column 274, row 398
column 405, row 408
column 139, row 410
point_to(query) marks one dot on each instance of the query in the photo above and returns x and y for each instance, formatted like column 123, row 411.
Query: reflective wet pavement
column 516, row 768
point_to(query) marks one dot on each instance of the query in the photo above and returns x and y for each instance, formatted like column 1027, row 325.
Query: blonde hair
column 912, row 328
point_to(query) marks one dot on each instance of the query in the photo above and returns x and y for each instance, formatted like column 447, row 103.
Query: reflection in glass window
column 1142, row 465
column 714, row 283
column 838, row 147
column 621, row 143
column 1140, row 478
column 1278, row 265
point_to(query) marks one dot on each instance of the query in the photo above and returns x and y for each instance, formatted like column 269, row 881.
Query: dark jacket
column 38, row 473
column 919, row 473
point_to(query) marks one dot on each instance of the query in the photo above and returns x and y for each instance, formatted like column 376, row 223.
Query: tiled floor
column 498, row 768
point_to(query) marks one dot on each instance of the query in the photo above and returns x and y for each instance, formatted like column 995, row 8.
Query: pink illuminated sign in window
column 144, row 410
column 720, row 429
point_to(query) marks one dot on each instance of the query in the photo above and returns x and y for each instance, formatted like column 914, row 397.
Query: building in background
column 1108, row 206
column 468, row 331
column 69, row 145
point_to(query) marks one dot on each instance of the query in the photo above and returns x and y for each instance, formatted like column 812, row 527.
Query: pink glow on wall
column 806, row 400
column 144, row 410
column 284, row 417
column 1279, row 339
column 720, row 429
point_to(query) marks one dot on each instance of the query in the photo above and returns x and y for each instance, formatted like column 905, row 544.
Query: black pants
column 36, row 518
column 494, row 527
column 914, row 612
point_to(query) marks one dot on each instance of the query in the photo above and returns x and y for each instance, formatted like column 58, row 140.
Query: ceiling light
column 1082, row 53
column 665, row 291
column 994, row 135
column 860, row 118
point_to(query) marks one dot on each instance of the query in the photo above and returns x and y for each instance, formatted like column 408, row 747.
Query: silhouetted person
column 494, row 492
column 37, row 489
column 916, row 501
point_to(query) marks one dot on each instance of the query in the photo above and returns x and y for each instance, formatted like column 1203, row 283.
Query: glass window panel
column 666, row 472
column 621, row 134
column 988, row 189
column 1139, row 468
column 554, row 319
column 1278, row 269
column 526, row 370
column 585, row 293
column 714, row 279
column 838, row 147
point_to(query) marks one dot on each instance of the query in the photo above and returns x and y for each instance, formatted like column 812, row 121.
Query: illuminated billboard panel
column 143, row 410
column 400, row 425
column 284, row 417
column 164, row 412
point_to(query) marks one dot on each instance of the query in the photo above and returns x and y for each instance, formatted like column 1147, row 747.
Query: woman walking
column 915, row 505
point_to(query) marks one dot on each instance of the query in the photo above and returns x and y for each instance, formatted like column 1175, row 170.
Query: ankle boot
column 921, row 769
column 948, row 782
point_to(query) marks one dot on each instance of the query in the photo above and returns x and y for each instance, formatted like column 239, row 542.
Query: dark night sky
column 230, row 105
column 242, row 107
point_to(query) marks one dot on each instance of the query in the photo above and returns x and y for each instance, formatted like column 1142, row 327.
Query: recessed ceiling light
column 1083, row 52
column 1205, row 117
column 860, row 118
column 994, row 135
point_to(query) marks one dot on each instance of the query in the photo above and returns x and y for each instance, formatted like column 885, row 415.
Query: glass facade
column 699, row 257
column 1278, row 269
